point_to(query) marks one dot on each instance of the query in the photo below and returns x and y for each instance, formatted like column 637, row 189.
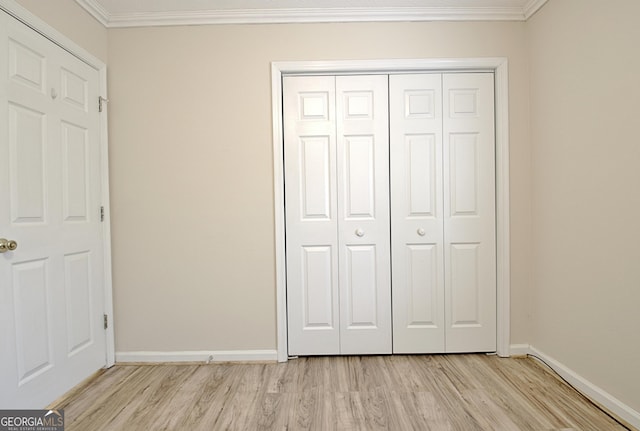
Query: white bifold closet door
column 443, row 212
column 336, row 138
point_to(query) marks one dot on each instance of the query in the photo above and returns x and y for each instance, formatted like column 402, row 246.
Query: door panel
column 79, row 297
column 359, row 296
column 417, row 213
column 363, row 206
column 51, row 290
column 33, row 313
column 315, row 172
column 317, row 276
column 464, row 285
column 469, row 221
column 75, row 186
column 27, row 66
column 74, row 90
column 27, row 164
column 420, row 169
column 311, row 215
column 422, row 287
column 463, row 177
column 359, row 185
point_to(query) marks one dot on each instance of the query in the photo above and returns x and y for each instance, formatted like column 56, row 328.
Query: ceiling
column 128, row 13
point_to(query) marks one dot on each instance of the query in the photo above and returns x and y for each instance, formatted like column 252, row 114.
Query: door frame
column 497, row 65
column 38, row 25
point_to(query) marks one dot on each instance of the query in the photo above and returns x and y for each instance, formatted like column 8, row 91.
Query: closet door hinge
column 101, row 102
column 105, row 320
column 101, row 214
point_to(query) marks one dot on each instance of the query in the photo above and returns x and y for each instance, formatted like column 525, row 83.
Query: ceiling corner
column 96, row 10
column 531, row 7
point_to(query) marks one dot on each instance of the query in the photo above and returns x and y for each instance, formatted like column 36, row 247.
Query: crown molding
column 306, row 15
column 96, row 10
column 531, row 7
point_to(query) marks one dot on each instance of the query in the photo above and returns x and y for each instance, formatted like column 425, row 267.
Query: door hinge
column 105, row 320
column 101, row 213
column 101, row 102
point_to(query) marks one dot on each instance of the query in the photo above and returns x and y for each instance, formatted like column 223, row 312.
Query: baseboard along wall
column 597, row 395
column 206, row 356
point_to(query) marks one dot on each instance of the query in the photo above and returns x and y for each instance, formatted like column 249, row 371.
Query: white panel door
column 311, row 215
column 363, row 214
column 417, row 213
column 469, row 212
column 51, row 286
column 337, row 215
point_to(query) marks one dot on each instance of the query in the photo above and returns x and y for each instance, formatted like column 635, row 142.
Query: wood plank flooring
column 437, row 392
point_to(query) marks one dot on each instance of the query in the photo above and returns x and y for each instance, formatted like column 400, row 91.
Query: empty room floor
column 435, row 392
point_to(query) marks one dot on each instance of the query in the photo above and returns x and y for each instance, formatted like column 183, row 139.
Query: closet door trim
column 497, row 65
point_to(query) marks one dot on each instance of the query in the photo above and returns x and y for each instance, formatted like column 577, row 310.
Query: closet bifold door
column 311, row 215
column 336, row 146
column 442, row 161
column 363, row 214
column 417, row 213
column 469, row 212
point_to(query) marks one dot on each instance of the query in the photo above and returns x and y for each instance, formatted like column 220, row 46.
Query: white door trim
column 38, row 25
column 497, row 65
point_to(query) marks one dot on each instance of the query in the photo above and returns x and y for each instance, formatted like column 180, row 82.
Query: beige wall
column 192, row 169
column 73, row 21
column 585, row 110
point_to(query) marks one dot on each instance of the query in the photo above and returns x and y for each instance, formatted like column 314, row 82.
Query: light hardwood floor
column 439, row 392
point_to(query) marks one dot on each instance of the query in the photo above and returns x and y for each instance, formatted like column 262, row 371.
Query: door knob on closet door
column 421, row 231
column 7, row 245
column 359, row 232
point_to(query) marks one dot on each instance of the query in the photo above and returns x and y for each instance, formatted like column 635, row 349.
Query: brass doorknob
column 7, row 245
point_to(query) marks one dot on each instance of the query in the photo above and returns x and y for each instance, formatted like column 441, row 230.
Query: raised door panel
column 423, row 308
column 79, row 300
column 465, row 284
column 27, row 164
column 27, row 66
column 74, row 90
column 363, row 207
column 359, row 178
column 359, row 298
column 469, row 167
column 417, row 213
column 311, row 215
column 75, row 175
column 34, row 332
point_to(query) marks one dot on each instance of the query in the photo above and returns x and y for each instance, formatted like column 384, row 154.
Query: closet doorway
column 381, row 307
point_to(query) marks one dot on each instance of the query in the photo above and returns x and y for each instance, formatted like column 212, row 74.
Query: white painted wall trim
column 206, row 356
column 531, row 7
column 96, row 10
column 38, row 25
column 596, row 394
column 519, row 350
column 500, row 67
column 503, row 220
column 308, row 15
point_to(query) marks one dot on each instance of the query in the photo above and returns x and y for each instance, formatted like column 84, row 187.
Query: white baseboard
column 199, row 356
column 519, row 349
column 588, row 389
